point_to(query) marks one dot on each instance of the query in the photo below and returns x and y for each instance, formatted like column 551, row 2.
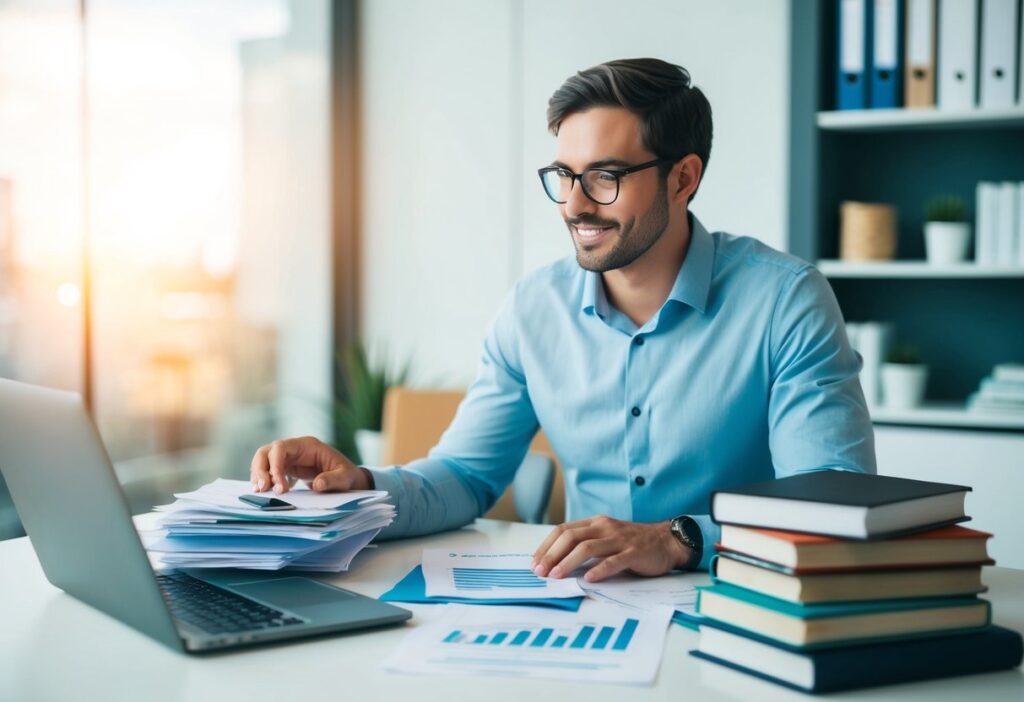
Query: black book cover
column 840, row 487
column 909, row 660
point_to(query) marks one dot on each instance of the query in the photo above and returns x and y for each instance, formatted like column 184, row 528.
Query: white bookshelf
column 833, row 268
column 918, row 119
column 949, row 414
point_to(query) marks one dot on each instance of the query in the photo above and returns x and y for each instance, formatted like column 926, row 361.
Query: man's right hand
column 306, row 458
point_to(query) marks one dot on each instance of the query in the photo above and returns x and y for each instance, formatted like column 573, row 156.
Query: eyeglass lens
column 600, row 186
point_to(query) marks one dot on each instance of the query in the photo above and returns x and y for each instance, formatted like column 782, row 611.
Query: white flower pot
column 947, row 242
column 903, row 384
column 369, row 444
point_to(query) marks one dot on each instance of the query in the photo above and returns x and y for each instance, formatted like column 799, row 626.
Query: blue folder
column 413, row 588
column 853, row 53
column 887, row 61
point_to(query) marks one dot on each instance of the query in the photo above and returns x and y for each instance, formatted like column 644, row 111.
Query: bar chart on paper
column 603, row 638
column 493, row 578
column 484, row 575
column 600, row 643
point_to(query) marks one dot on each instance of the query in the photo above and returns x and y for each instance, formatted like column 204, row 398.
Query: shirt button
column 639, row 341
column 640, row 480
column 636, row 411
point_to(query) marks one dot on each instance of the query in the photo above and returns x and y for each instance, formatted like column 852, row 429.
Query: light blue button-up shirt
column 744, row 374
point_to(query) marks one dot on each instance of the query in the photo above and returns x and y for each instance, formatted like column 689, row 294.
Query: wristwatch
column 687, row 532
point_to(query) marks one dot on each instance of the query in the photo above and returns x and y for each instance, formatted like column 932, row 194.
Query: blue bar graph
column 542, row 637
column 573, row 637
column 520, row 638
column 622, row 642
column 491, row 578
column 581, row 638
column 603, row 637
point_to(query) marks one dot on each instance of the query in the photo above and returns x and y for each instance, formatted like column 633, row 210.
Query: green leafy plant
column 359, row 395
column 903, row 354
column 945, row 208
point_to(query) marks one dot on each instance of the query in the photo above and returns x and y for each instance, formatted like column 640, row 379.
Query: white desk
column 52, row 647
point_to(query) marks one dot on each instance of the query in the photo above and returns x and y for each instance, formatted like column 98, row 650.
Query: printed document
column 600, row 643
column 482, row 575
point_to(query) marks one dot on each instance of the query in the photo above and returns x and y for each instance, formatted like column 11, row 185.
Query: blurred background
column 203, row 203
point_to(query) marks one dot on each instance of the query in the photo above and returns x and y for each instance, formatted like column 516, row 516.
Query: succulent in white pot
column 947, row 235
column 904, row 378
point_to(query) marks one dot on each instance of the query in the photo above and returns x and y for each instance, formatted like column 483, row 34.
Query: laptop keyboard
column 215, row 610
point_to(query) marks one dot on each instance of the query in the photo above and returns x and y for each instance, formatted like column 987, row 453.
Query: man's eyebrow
column 603, row 163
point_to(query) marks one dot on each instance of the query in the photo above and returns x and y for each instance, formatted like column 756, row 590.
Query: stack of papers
column 212, row 528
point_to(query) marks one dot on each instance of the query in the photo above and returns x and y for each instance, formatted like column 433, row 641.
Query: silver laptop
column 72, row 507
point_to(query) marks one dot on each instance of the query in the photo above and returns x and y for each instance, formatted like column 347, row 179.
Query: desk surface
column 53, row 647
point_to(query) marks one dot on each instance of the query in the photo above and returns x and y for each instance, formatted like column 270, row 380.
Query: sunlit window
column 159, row 147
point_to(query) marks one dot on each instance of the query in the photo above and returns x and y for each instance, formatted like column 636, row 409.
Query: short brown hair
column 675, row 117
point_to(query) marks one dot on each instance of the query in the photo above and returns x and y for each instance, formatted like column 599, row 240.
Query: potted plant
column 947, row 234
column 903, row 378
column 359, row 403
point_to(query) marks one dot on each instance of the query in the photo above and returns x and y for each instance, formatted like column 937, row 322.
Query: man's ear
column 686, row 172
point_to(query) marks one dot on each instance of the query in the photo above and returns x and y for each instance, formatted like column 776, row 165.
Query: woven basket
column 867, row 231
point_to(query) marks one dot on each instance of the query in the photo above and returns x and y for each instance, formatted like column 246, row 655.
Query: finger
column 259, row 470
column 583, row 552
column 563, row 545
column 303, row 457
column 340, row 479
column 553, row 536
column 278, row 458
column 613, row 565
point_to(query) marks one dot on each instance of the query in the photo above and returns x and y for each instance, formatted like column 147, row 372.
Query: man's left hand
column 643, row 549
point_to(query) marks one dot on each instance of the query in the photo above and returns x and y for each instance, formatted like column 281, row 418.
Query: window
column 164, row 224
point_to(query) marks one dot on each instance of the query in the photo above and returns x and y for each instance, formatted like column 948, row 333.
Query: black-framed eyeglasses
column 599, row 184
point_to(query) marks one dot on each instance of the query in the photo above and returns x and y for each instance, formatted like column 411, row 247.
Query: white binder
column 998, row 53
column 958, row 64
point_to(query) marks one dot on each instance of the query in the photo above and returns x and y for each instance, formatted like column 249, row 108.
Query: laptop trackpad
column 293, row 594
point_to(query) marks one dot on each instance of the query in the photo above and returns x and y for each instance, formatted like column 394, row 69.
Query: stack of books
column 1002, row 391
column 834, row 580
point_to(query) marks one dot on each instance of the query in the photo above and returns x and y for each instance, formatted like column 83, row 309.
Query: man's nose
column 578, row 203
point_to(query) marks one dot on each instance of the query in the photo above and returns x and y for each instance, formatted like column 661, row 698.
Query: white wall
column 990, row 463
column 455, row 93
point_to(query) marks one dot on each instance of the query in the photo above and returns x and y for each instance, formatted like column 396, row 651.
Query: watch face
column 692, row 531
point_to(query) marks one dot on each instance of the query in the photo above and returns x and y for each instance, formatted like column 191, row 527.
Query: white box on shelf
column 1007, row 224
column 985, row 204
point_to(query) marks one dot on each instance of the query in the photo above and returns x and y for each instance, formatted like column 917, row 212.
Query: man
column 664, row 362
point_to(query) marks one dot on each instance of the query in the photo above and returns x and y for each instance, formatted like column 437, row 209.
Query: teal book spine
column 832, row 609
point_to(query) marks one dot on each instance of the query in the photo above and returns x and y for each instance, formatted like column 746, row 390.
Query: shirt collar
column 693, row 283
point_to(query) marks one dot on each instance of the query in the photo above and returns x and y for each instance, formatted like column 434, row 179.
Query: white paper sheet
column 482, row 575
column 676, row 591
column 224, row 494
column 601, row 643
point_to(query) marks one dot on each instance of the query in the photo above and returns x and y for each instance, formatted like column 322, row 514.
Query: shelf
column 918, row 119
column 833, row 268
column 947, row 415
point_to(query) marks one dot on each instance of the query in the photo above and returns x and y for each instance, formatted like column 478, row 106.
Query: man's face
column 612, row 236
